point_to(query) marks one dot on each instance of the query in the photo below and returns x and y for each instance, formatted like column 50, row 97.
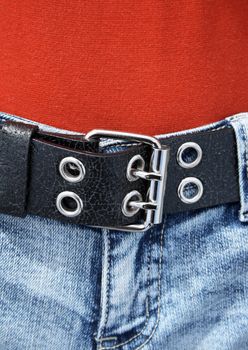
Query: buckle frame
column 157, row 175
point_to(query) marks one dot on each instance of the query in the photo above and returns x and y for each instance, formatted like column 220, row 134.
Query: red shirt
column 150, row 66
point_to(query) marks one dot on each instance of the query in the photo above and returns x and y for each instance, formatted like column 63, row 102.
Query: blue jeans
column 181, row 285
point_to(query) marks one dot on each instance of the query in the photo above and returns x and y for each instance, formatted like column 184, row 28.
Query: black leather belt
column 69, row 178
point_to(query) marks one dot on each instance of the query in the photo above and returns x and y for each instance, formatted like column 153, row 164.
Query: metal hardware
column 143, row 205
column 181, row 189
column 118, row 135
column 181, row 150
column 129, row 208
column 156, row 175
column 71, row 169
column 146, row 175
column 136, row 163
column 61, row 206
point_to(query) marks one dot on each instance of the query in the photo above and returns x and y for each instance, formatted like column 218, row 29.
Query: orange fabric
column 149, row 66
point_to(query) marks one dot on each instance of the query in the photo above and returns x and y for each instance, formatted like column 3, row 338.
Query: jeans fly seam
column 106, row 306
column 146, row 303
column 159, row 288
column 159, row 302
column 149, row 276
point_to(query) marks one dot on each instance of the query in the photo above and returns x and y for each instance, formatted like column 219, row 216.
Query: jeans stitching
column 103, row 327
column 236, row 120
column 121, row 144
column 149, row 278
column 242, row 130
column 244, row 214
column 147, row 308
column 158, row 308
column 159, row 288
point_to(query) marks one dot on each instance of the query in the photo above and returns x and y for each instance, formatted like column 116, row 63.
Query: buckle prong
column 147, row 175
column 144, row 205
column 157, row 175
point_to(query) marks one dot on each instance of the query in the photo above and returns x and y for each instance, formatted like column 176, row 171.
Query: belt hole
column 72, row 169
column 69, row 204
column 135, row 163
column 190, row 190
column 189, row 155
column 127, row 209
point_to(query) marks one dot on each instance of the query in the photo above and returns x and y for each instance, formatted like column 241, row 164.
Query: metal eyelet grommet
column 74, row 204
column 135, row 163
column 187, row 146
column 71, row 169
column 127, row 209
column 182, row 187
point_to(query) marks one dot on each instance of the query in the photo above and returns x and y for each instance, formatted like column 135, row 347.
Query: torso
column 142, row 66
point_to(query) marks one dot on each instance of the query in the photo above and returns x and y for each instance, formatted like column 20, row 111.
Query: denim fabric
column 240, row 124
column 181, row 285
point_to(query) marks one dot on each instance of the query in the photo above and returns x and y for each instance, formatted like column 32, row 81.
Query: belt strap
column 68, row 178
column 14, row 165
column 217, row 170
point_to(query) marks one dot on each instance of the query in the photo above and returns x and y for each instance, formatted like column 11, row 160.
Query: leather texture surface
column 30, row 180
column 14, row 166
column 218, row 170
column 102, row 190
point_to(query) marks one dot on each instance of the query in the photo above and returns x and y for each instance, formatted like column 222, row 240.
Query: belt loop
column 15, row 140
column 239, row 122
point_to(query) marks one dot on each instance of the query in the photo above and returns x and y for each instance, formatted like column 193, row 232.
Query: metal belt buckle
column 157, row 175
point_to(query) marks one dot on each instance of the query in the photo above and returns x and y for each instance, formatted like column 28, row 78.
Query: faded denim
column 181, row 285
